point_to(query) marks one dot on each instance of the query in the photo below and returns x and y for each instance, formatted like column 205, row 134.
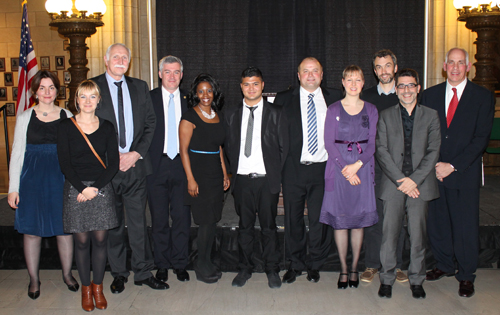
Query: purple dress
column 348, row 139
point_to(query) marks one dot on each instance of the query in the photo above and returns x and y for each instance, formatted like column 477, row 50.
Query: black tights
column 99, row 255
column 32, row 246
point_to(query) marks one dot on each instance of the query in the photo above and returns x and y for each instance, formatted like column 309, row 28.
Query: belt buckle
column 307, row 163
column 252, row 175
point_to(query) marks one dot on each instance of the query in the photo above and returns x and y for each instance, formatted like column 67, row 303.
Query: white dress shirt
column 178, row 114
column 319, row 101
column 255, row 162
column 449, row 93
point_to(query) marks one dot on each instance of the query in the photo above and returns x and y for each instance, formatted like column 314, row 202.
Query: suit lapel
column 135, row 106
column 399, row 134
column 441, row 101
column 265, row 118
column 298, row 116
column 107, row 109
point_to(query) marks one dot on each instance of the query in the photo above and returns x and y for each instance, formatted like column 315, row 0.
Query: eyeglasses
column 409, row 86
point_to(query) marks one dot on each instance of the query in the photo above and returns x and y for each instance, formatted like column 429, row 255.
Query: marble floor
column 301, row 297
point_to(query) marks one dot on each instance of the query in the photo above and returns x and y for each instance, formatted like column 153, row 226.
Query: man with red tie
column 466, row 116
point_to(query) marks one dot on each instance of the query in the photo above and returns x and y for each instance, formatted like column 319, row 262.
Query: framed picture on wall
column 3, row 94
column 14, row 93
column 8, row 78
column 45, row 63
column 2, row 64
column 66, row 104
column 67, row 77
column 11, row 109
column 14, row 64
column 62, row 93
column 60, row 65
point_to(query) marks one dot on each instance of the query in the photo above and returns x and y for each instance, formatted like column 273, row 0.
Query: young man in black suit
column 256, row 146
column 466, row 113
column 167, row 184
column 304, row 171
column 127, row 104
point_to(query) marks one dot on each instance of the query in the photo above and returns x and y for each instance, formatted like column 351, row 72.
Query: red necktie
column 452, row 108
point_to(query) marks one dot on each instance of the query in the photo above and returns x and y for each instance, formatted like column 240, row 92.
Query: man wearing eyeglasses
column 408, row 140
column 383, row 95
column 466, row 115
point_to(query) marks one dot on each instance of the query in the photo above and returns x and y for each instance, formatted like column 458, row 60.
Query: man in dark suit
column 127, row 104
column 256, row 146
column 167, row 184
column 466, row 115
column 408, row 140
column 383, row 95
column 304, row 171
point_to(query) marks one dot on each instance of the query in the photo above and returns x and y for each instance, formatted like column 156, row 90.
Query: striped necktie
column 312, row 126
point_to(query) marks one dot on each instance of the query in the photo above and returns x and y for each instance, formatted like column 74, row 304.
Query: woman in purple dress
column 349, row 200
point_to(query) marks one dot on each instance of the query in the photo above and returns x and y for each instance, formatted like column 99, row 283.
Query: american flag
column 28, row 66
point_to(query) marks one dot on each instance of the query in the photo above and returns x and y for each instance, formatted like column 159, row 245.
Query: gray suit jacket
column 426, row 140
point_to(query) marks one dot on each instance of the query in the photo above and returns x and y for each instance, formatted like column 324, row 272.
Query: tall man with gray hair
column 167, row 184
column 126, row 103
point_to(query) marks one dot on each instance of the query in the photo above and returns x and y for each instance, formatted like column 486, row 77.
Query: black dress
column 82, row 169
column 206, row 167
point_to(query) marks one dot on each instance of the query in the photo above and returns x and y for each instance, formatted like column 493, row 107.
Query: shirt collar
column 260, row 103
column 306, row 92
column 405, row 112
column 460, row 87
column 381, row 91
column 112, row 80
column 164, row 90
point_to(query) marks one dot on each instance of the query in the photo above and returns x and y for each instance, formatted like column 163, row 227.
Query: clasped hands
column 349, row 172
column 87, row 194
column 443, row 170
column 409, row 187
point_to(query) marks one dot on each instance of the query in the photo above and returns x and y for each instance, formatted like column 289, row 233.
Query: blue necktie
column 172, row 129
column 312, row 126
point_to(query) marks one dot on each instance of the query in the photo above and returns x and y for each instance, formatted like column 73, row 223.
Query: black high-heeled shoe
column 72, row 287
column 34, row 295
column 340, row 284
column 353, row 283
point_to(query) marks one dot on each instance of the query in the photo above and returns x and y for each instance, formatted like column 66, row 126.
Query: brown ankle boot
column 100, row 300
column 87, row 299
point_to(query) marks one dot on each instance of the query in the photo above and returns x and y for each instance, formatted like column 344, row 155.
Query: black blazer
column 290, row 100
column 156, row 148
column 144, row 118
column 274, row 140
column 463, row 144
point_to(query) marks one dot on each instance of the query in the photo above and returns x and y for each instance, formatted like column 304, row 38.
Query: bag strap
column 88, row 142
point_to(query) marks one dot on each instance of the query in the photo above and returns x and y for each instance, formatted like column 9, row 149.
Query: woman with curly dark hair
column 201, row 135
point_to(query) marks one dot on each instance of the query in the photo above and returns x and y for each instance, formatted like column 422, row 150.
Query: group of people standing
column 360, row 161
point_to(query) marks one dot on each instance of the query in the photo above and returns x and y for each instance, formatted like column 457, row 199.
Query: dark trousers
column 453, row 229
column 130, row 198
column 306, row 184
column 252, row 196
column 166, row 188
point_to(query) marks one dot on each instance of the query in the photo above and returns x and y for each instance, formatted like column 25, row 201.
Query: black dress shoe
column 207, row 279
column 118, row 284
column 182, row 274
column 72, row 287
column 312, row 275
column 436, row 274
column 417, row 291
column 241, row 278
column 153, row 283
column 273, row 280
column 162, row 274
column 353, row 283
column 291, row 275
column 385, row 291
column 342, row 285
column 466, row 289
column 34, row 295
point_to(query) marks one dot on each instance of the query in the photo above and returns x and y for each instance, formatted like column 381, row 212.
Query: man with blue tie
column 304, row 170
column 167, row 184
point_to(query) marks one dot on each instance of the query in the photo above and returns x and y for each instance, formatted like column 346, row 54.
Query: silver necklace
column 208, row 116
column 46, row 113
